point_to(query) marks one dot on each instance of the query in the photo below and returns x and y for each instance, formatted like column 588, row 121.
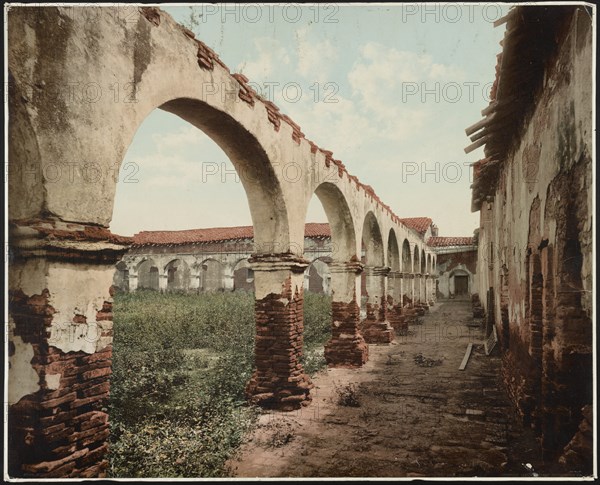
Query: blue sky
column 388, row 88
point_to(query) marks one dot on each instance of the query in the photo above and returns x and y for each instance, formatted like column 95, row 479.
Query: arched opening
column 317, row 277
column 177, row 272
column 337, row 215
column 416, row 265
column 211, row 275
column 394, row 284
column 459, row 283
column 406, row 261
column 191, row 342
column 372, row 257
column 121, row 278
column 243, row 276
column 376, row 328
column 148, row 275
column 393, row 253
column 345, row 346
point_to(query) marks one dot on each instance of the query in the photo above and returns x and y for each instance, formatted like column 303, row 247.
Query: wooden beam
column 463, row 364
column 482, row 141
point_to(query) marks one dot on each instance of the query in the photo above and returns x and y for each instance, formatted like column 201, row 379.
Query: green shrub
column 143, row 383
column 180, row 366
column 172, row 447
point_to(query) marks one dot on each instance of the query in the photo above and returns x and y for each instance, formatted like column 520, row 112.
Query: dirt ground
column 409, row 412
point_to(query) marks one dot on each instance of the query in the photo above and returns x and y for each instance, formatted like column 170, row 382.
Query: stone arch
column 416, row 282
column 121, row 277
column 346, row 346
column 406, row 259
column 211, row 275
column 341, row 223
column 393, row 252
column 394, row 284
column 372, row 241
column 148, row 275
column 416, row 265
column 243, row 276
column 376, row 328
column 249, row 158
column 177, row 273
column 429, row 261
column 423, row 262
column 317, row 277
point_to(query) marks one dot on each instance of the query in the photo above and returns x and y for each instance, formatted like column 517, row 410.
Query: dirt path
column 416, row 414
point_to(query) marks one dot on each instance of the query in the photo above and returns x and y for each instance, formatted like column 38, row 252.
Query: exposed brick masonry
column 59, row 432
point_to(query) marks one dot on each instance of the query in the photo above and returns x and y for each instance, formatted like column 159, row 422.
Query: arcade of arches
column 63, row 254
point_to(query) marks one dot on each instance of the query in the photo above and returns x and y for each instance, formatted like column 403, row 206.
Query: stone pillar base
column 347, row 352
column 396, row 319
column 378, row 332
column 410, row 316
column 284, row 396
column 60, row 348
column 279, row 381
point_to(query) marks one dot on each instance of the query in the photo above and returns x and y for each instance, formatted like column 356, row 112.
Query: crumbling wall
column 60, row 350
column 535, row 252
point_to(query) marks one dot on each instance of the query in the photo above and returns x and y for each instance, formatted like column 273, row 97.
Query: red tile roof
column 450, row 241
column 215, row 234
column 419, row 224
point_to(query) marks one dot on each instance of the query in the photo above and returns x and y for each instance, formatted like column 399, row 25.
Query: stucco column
column 278, row 380
column 228, row 282
column 417, row 286
column 306, row 280
column 133, row 282
column 162, row 282
column 408, row 310
column 347, row 347
column 194, row 278
column 431, row 294
column 394, row 302
column 376, row 328
column 424, row 288
column 60, row 348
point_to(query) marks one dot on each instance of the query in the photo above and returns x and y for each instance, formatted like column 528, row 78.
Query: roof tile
column 450, row 241
column 419, row 224
column 215, row 234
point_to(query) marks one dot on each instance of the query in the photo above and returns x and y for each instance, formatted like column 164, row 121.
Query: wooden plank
column 490, row 343
column 463, row 364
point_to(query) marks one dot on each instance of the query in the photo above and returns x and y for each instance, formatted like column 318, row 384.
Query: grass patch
column 180, row 365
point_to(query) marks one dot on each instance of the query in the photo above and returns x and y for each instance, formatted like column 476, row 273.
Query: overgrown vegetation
column 180, row 365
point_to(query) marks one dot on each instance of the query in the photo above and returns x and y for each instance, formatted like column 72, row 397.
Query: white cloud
column 392, row 84
column 271, row 55
column 315, row 57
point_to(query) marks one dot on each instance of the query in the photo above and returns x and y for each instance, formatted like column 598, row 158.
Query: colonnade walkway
column 409, row 412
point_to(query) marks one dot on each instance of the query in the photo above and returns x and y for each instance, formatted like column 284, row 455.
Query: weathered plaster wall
column 459, row 261
column 535, row 249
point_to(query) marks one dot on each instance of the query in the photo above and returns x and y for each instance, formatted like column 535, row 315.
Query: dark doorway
column 461, row 285
column 315, row 281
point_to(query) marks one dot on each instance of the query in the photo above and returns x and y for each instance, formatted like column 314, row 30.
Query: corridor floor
column 409, row 412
